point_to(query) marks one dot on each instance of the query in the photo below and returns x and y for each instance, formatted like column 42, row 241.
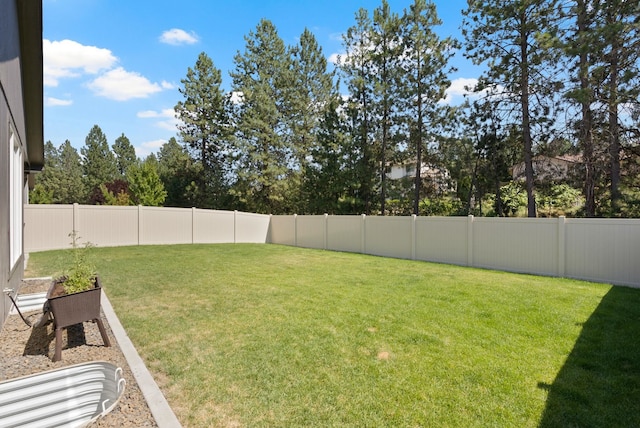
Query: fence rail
column 604, row 250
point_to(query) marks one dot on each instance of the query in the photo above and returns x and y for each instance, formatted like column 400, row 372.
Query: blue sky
column 118, row 64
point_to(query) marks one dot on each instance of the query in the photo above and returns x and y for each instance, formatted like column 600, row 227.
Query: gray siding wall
column 11, row 115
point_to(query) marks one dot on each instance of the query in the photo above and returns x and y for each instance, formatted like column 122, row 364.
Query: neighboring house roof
column 548, row 167
column 30, row 28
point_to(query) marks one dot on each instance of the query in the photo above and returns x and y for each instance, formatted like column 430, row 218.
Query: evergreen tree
column 124, row 153
column 359, row 72
column 61, row 179
column 265, row 150
column 313, row 91
column 510, row 38
column 145, row 185
column 98, row 162
column 178, row 173
column 425, row 79
column 205, row 129
column 385, row 56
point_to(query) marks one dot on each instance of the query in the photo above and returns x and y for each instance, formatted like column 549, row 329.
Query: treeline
column 561, row 83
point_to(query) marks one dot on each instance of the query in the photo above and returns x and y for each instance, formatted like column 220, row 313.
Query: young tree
column 425, row 79
column 510, row 39
column 98, row 162
column 124, row 153
column 265, row 151
column 205, row 128
column 145, row 185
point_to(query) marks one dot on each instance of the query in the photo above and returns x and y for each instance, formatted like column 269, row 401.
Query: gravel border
column 28, row 350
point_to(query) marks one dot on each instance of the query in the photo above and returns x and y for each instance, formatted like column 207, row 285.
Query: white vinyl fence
column 604, row 250
column 47, row 227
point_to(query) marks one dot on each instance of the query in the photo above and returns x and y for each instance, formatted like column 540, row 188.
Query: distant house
column 439, row 177
column 21, row 131
column 548, row 168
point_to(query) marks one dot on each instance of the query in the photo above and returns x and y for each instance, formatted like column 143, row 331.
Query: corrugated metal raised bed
column 72, row 396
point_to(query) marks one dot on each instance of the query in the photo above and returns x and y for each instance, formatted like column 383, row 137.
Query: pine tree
column 125, row 154
column 425, row 79
column 178, row 173
column 509, row 38
column 357, row 68
column 205, row 129
column 98, row 162
column 265, row 150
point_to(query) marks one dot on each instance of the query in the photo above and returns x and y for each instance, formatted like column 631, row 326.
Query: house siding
column 13, row 121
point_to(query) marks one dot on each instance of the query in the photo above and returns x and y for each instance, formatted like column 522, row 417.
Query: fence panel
column 344, row 233
column 604, row 250
column 251, row 228
column 389, row 236
column 282, row 230
column 516, row 244
column 442, row 239
column 161, row 226
column 213, row 227
column 107, row 226
column 47, row 227
column 310, row 231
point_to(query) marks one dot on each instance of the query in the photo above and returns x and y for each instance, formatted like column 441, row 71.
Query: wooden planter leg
column 57, row 356
column 103, row 332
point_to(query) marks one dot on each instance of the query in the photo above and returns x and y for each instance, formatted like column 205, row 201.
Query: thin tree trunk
column 526, row 120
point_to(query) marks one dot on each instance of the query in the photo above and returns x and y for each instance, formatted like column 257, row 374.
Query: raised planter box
column 76, row 308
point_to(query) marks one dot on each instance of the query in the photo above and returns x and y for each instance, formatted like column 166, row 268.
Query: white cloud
column 237, row 97
column 145, row 149
column 168, row 120
column 334, row 58
column 176, row 37
column 67, row 58
column 167, row 85
column 121, row 85
column 56, row 102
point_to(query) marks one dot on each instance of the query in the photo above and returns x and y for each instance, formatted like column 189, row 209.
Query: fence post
column 363, row 234
column 414, row 238
column 470, row 240
column 561, row 246
column 235, row 226
column 326, row 231
column 139, row 224
column 193, row 225
column 76, row 219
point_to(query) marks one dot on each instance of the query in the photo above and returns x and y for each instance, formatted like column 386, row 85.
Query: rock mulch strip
column 25, row 350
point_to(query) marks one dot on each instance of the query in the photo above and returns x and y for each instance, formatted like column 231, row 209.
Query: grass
column 265, row 335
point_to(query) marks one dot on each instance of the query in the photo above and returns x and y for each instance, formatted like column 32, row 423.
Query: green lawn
column 266, row 335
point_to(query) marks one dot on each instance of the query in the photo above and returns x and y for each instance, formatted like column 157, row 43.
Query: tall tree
column 265, row 151
column 358, row 70
column 385, row 55
column 98, row 162
column 205, row 128
column 425, row 79
column 125, row 154
column 312, row 93
column 509, row 38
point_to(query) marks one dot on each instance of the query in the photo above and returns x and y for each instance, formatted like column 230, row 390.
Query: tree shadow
column 599, row 384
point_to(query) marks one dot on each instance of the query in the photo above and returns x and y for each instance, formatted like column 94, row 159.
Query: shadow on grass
column 599, row 384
